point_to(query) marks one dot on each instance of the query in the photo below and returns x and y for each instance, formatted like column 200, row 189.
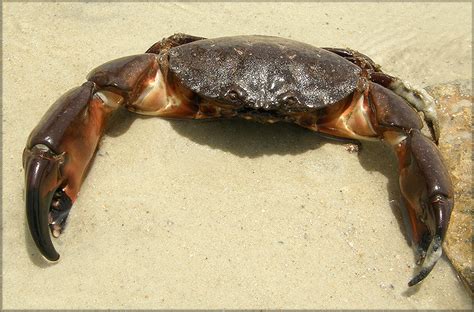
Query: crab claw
column 62, row 146
column 43, row 178
column 56, row 158
column 437, row 223
column 428, row 194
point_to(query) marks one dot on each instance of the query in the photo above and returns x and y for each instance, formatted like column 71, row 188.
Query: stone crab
column 335, row 92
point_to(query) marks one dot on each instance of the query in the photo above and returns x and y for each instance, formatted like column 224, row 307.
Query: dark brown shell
column 261, row 72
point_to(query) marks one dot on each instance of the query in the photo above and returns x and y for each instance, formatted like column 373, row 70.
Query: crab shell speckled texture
column 268, row 73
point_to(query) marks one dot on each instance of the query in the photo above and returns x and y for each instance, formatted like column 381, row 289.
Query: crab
column 335, row 92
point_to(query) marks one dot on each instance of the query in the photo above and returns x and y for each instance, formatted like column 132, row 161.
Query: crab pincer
column 428, row 194
column 55, row 159
column 337, row 92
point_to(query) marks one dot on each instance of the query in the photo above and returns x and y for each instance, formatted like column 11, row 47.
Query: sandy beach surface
column 226, row 214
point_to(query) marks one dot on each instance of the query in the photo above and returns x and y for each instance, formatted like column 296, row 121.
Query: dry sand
column 220, row 214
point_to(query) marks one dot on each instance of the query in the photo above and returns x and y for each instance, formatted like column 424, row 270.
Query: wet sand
column 227, row 214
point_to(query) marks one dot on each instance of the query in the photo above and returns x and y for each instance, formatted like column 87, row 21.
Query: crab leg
column 429, row 203
column 55, row 159
column 424, row 180
column 61, row 148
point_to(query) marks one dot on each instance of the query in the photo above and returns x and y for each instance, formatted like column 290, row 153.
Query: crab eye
column 236, row 94
column 289, row 99
column 233, row 95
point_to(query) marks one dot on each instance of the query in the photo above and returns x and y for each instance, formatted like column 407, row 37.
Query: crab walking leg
column 424, row 180
column 61, row 148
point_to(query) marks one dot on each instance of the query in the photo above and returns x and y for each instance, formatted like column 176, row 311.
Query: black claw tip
column 41, row 183
column 431, row 258
column 420, row 276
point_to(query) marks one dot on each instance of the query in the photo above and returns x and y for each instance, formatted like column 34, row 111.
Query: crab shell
column 266, row 73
